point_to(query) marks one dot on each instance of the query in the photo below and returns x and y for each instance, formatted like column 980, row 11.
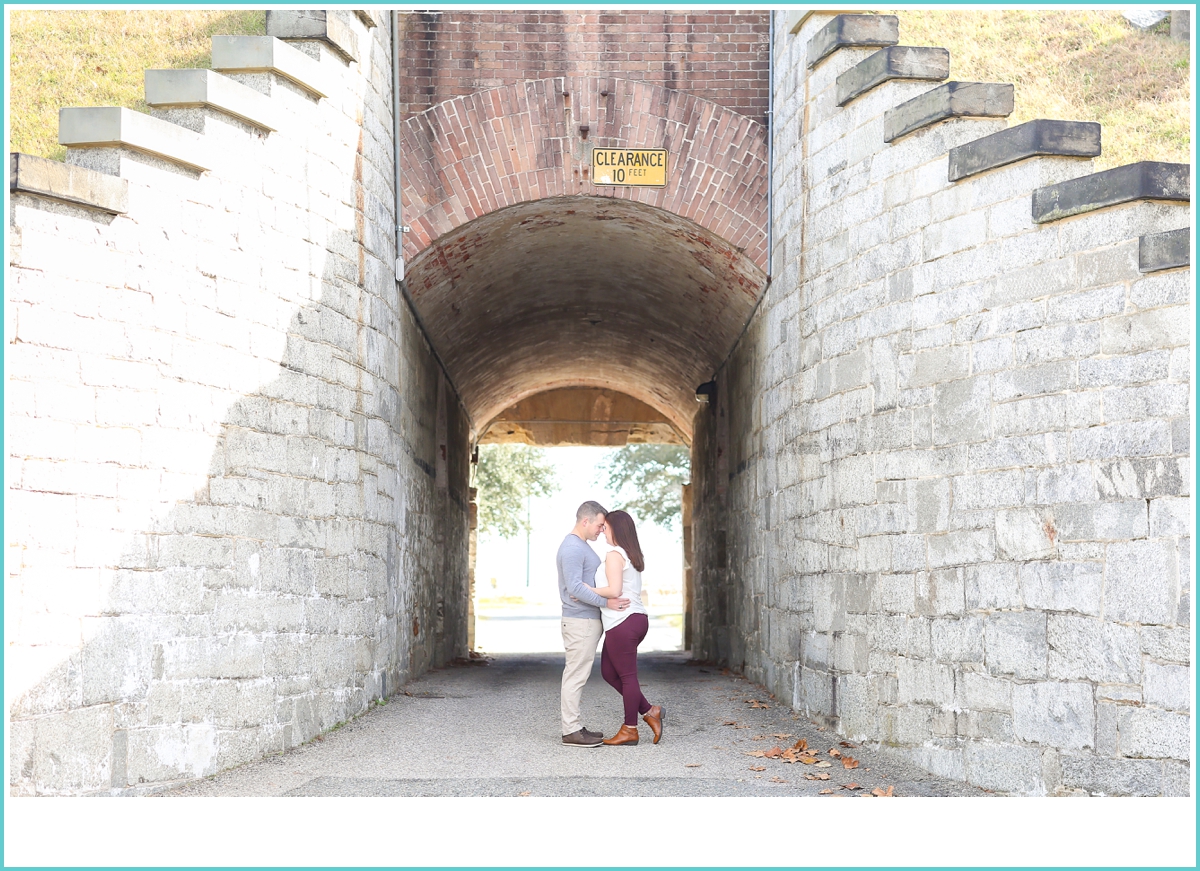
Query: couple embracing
column 603, row 595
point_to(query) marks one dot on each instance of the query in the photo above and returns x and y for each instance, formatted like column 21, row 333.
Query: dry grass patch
column 96, row 57
column 1074, row 65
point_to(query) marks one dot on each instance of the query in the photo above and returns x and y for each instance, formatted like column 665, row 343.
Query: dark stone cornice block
column 76, row 185
column 852, row 31
column 1148, row 180
column 951, row 100
column 893, row 62
column 1042, row 137
column 1169, row 250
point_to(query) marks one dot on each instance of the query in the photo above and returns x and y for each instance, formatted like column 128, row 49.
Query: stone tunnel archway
column 530, row 278
column 537, row 286
column 582, row 292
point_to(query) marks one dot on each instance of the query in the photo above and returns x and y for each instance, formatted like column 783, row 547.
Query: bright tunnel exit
column 515, row 597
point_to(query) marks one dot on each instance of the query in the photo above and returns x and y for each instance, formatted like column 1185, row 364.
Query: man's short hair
column 589, row 509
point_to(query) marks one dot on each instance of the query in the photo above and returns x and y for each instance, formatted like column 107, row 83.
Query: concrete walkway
column 493, row 730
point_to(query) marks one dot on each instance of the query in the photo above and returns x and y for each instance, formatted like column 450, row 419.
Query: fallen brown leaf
column 849, row 762
column 773, row 753
column 778, row 780
column 800, row 745
column 781, row 735
column 848, row 744
column 824, row 765
column 729, row 723
column 833, row 751
column 807, row 760
column 521, row 794
column 747, row 726
column 759, row 753
column 820, row 775
column 851, row 786
column 879, row 793
column 820, row 728
column 691, row 764
column 758, row 768
column 825, row 792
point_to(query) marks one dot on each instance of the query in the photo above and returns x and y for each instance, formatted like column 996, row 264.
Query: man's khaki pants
column 580, row 638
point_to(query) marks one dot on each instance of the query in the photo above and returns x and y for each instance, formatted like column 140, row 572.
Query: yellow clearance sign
column 641, row 167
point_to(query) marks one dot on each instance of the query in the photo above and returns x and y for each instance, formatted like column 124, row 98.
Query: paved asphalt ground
column 493, row 730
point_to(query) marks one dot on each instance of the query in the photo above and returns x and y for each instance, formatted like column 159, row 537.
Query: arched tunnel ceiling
column 583, row 291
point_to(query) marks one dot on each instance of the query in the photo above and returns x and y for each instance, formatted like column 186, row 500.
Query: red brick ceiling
column 583, row 291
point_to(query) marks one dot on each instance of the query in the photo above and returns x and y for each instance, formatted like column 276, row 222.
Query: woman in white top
column 621, row 575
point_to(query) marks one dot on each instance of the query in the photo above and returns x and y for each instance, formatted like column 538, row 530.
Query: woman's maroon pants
column 618, row 663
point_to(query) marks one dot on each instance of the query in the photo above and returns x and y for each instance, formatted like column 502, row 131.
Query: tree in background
column 506, row 476
column 649, row 479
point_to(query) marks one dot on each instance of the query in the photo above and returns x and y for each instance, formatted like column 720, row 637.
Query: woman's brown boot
column 627, row 735
column 654, row 719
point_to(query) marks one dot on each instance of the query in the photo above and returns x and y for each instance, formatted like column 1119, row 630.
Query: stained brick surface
column 472, row 155
column 716, row 55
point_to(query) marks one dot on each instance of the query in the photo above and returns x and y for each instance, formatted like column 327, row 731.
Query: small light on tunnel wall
column 706, row 391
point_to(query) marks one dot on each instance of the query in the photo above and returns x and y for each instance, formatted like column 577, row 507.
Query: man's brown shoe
column 628, row 735
column 585, row 730
column 654, row 719
column 579, row 739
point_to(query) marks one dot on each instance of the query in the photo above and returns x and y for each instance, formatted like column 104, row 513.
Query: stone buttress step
column 1039, row 138
column 113, row 127
column 1169, row 250
column 77, row 185
column 256, row 54
column 797, row 17
column 894, row 62
column 852, row 31
column 951, row 100
column 167, row 89
column 322, row 24
column 1147, row 180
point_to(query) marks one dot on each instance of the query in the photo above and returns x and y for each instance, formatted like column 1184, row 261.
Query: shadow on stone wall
column 319, row 567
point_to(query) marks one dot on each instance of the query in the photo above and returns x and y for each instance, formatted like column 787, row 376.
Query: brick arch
column 475, row 154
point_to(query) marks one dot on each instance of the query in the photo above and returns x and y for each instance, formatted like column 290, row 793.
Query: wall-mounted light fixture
column 706, row 392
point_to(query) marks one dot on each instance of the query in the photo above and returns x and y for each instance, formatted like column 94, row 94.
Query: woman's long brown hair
column 624, row 535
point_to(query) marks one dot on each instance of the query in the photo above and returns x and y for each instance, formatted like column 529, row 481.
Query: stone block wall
column 942, row 498
column 237, row 474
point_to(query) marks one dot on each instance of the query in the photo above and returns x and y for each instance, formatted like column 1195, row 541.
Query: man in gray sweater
column 581, row 628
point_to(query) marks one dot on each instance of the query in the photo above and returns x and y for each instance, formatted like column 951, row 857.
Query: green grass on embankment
column 1070, row 64
column 94, row 57
column 1074, row 65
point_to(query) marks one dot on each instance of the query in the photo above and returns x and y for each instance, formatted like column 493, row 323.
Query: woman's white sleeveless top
column 631, row 589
